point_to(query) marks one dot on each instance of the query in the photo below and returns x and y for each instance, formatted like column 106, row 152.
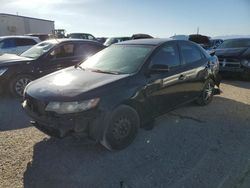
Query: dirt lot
column 190, row 147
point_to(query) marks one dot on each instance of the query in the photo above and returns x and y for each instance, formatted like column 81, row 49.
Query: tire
column 122, row 128
column 207, row 93
column 18, row 84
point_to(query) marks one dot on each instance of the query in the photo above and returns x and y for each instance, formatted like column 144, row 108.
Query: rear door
column 194, row 65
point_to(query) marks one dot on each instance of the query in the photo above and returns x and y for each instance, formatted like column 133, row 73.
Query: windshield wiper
column 105, row 72
column 78, row 66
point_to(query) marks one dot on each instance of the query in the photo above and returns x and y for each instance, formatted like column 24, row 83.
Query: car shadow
column 186, row 146
column 12, row 115
column 236, row 83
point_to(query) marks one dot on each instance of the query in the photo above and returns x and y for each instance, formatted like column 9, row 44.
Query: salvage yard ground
column 192, row 147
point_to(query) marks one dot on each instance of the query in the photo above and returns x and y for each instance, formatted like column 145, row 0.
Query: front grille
column 230, row 62
column 36, row 106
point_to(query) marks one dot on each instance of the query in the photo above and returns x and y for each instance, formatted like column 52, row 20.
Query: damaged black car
column 120, row 89
column 234, row 57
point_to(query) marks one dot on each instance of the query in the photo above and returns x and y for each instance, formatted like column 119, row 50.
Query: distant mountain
column 231, row 36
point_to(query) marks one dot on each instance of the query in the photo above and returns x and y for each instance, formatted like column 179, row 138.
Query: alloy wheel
column 21, row 84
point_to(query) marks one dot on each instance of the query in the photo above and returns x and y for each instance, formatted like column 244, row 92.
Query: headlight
column 2, row 71
column 245, row 62
column 72, row 107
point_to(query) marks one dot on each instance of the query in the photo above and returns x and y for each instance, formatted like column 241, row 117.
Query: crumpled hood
column 230, row 52
column 9, row 59
column 69, row 84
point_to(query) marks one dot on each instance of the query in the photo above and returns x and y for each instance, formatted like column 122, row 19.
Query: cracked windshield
column 124, row 94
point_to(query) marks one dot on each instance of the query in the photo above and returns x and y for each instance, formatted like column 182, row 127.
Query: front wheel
column 207, row 93
column 122, row 128
column 18, row 84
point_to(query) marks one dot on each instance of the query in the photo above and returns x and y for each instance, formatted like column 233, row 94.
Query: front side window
column 167, row 55
column 122, row 59
column 66, row 50
column 190, row 53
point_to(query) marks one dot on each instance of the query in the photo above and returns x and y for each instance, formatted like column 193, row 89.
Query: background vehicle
column 114, row 40
column 202, row 40
column 140, row 36
column 109, row 96
column 234, row 57
column 44, row 58
column 58, row 33
column 41, row 36
column 81, row 36
column 214, row 43
column 16, row 44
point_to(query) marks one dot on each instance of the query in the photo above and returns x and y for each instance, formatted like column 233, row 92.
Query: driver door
column 165, row 89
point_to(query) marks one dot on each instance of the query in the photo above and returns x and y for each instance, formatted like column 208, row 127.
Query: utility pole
column 198, row 29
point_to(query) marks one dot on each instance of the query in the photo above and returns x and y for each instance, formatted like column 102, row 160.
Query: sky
column 159, row 18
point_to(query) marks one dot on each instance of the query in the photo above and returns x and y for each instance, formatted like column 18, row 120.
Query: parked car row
column 79, row 86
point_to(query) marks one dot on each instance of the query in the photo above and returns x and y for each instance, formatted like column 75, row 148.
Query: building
column 20, row 25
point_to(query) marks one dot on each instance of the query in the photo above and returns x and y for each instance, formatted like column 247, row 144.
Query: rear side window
column 7, row 43
column 87, row 49
column 25, row 42
column 190, row 53
column 167, row 55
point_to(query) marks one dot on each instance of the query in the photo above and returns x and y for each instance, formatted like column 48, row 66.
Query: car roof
column 152, row 41
column 19, row 36
column 71, row 40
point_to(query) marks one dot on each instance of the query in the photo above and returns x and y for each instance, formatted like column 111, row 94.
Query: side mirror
column 159, row 68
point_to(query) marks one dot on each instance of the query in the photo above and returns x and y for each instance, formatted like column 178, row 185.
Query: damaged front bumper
column 62, row 125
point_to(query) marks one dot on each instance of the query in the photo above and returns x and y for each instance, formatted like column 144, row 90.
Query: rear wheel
column 122, row 128
column 18, row 84
column 207, row 93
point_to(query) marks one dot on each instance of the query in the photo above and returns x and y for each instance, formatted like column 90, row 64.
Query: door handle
column 182, row 77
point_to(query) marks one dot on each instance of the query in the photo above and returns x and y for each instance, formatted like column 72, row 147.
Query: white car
column 16, row 44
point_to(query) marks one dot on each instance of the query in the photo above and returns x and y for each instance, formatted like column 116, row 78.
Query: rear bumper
column 63, row 125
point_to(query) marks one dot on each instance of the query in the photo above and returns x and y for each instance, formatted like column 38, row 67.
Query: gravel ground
column 190, row 147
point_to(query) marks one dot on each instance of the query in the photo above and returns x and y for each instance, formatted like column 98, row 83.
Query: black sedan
column 44, row 58
column 234, row 57
column 121, row 88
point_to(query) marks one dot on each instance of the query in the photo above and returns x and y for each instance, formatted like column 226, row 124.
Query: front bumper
column 230, row 65
column 62, row 125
